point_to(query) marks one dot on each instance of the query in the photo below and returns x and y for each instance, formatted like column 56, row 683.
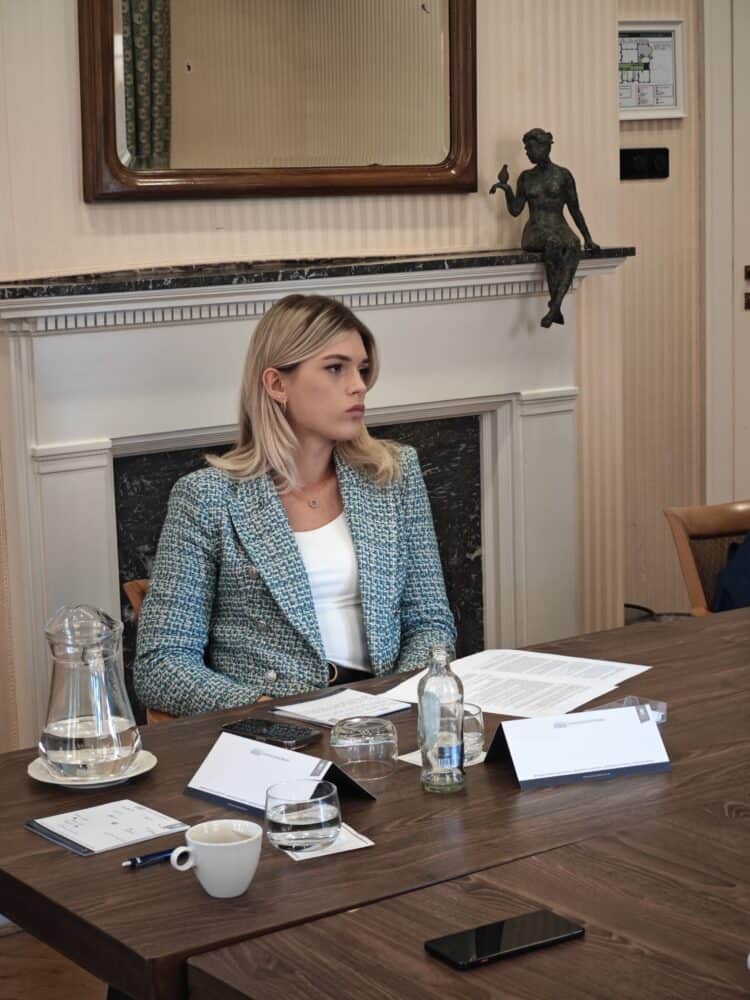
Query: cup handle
column 174, row 858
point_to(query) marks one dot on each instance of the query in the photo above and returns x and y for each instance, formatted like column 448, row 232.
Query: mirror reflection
column 281, row 83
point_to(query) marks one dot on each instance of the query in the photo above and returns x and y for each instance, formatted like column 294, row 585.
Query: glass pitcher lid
column 79, row 626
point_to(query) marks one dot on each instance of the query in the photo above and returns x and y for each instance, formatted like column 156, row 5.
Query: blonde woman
column 306, row 555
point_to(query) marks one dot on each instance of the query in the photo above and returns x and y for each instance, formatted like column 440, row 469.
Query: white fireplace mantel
column 125, row 370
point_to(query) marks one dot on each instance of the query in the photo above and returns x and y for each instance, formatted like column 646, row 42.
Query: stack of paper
column 515, row 682
column 344, row 704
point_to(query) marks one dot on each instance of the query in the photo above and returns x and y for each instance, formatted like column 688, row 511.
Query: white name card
column 238, row 771
column 557, row 750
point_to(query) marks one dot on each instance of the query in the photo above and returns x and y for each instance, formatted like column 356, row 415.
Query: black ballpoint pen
column 148, row 859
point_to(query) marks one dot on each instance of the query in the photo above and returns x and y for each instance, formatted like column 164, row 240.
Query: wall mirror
column 191, row 98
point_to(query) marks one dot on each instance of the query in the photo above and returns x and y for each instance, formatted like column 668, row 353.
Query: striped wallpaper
column 664, row 330
column 549, row 63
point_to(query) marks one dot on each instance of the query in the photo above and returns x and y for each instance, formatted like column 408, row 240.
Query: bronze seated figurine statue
column 548, row 188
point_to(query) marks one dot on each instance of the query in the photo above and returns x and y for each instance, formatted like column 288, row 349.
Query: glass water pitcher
column 90, row 730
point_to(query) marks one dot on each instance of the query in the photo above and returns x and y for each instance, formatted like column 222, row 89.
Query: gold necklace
column 314, row 502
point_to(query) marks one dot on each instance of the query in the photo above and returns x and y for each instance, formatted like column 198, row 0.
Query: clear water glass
column 473, row 733
column 365, row 747
column 303, row 815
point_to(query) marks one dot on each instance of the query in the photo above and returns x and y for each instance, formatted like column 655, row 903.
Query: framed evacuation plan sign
column 651, row 68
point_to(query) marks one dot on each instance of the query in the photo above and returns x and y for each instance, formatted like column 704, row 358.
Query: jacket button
column 253, row 572
column 262, row 627
column 271, row 675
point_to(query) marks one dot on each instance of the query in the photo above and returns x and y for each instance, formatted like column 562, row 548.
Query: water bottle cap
column 439, row 651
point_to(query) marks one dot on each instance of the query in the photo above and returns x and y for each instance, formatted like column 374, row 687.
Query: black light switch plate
column 644, row 164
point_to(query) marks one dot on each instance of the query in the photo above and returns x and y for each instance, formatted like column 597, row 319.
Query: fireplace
column 115, row 376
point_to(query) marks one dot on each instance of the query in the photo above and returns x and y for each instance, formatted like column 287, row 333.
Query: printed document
column 526, row 684
column 346, row 704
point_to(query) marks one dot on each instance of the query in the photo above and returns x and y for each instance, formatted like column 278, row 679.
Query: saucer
column 39, row 771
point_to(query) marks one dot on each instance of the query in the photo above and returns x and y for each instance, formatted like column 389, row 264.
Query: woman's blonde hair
column 294, row 329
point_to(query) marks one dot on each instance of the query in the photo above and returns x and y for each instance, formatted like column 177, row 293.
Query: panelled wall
column 549, row 63
column 663, row 332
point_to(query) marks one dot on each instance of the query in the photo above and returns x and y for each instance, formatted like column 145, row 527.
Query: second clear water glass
column 473, row 733
column 303, row 815
column 366, row 748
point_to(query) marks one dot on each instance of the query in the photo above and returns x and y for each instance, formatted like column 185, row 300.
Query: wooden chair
column 702, row 536
column 135, row 591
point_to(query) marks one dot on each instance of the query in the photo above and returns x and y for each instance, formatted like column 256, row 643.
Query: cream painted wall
column 664, row 330
column 540, row 63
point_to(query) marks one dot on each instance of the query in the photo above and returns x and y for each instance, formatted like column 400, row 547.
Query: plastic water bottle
column 441, row 723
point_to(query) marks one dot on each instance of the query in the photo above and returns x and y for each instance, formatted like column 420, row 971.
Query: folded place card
column 557, row 750
column 238, row 771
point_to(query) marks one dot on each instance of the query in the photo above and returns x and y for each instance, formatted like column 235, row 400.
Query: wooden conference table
column 657, row 867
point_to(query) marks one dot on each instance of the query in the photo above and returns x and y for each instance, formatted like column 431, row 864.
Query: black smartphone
column 502, row 939
column 281, row 734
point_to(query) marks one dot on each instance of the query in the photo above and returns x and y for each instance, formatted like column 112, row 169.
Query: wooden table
column 665, row 905
column 137, row 929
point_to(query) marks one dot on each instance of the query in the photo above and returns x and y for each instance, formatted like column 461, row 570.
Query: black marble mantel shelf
column 258, row 272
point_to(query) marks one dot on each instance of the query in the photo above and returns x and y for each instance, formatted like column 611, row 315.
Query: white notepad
column 105, row 827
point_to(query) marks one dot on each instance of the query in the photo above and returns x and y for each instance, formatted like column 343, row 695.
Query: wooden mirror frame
column 106, row 178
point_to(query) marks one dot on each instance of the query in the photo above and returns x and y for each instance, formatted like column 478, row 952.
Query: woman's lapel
column 263, row 528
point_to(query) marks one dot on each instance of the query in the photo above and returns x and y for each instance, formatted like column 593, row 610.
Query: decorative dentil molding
column 50, row 316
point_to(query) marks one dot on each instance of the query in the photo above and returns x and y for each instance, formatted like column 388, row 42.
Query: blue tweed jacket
column 229, row 614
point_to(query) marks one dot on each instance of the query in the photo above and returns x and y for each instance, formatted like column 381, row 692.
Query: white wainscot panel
column 546, row 491
column 76, row 500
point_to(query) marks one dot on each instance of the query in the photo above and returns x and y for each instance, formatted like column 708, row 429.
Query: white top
column 331, row 564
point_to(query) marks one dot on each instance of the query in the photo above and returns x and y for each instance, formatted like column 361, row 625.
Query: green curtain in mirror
column 146, row 46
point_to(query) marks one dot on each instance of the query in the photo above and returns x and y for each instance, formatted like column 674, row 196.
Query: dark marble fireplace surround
column 449, row 454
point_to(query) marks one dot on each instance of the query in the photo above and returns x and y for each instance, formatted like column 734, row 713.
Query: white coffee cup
column 224, row 853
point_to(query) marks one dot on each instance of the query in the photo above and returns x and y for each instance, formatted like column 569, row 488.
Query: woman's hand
column 502, row 179
column 264, row 697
